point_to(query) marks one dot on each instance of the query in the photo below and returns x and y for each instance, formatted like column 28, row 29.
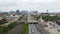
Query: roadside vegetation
column 50, row 18
column 4, row 29
column 26, row 18
column 47, row 18
column 20, row 17
column 12, row 25
column 25, row 29
column 3, row 21
column 37, row 17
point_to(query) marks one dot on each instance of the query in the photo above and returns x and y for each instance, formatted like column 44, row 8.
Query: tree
column 37, row 17
column 3, row 21
column 20, row 17
column 12, row 25
column 3, row 29
column 50, row 18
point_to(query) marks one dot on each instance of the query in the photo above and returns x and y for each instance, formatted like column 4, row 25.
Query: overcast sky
column 39, row 5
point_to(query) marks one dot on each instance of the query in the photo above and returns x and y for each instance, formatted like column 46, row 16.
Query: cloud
column 18, row 2
column 45, row 1
column 30, row 4
column 7, row 2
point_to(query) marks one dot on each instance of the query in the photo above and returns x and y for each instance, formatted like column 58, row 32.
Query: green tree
column 50, row 18
column 20, row 17
column 12, row 25
column 3, row 21
column 3, row 29
column 37, row 17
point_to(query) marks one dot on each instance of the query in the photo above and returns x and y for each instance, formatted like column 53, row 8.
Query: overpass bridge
column 31, row 20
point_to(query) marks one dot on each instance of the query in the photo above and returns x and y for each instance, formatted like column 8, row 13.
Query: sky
column 39, row 5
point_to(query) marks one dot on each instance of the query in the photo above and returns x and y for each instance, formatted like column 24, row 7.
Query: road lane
column 33, row 27
column 36, row 28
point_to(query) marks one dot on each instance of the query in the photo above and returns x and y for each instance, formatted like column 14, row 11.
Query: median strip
column 25, row 29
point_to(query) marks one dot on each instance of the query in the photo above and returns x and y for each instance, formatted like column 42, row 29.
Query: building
column 33, row 12
column 12, row 12
column 17, row 12
column 24, row 12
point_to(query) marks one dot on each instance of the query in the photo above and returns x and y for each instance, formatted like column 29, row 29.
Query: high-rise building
column 17, row 12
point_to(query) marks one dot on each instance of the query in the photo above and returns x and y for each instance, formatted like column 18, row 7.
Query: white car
column 32, row 30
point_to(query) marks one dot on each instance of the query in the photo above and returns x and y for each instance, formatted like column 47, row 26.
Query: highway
column 36, row 28
column 33, row 28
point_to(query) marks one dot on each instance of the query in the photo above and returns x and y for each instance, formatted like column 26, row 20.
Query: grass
column 25, row 29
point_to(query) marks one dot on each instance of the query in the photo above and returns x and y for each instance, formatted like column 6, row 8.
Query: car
column 58, row 30
column 32, row 30
column 45, row 25
column 50, row 23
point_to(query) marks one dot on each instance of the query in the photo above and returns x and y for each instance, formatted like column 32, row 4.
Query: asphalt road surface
column 36, row 29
